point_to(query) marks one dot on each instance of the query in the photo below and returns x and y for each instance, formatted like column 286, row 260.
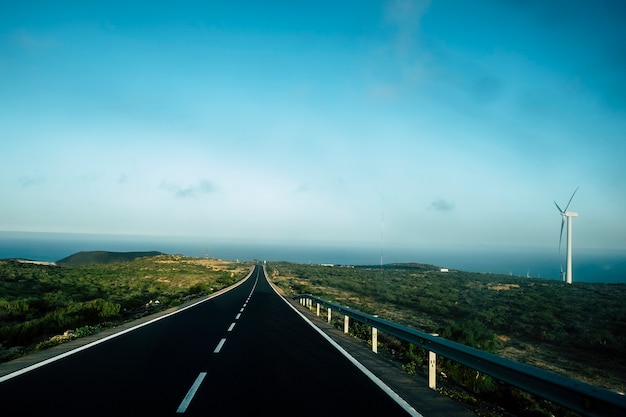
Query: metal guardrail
column 580, row 397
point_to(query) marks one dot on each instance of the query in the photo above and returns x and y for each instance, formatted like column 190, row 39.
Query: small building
column 443, row 270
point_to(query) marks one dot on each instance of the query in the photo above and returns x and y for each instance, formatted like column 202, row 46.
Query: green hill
column 103, row 257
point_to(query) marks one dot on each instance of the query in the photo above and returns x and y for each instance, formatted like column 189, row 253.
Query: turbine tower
column 567, row 215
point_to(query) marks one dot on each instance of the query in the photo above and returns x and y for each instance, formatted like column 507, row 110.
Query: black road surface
column 243, row 352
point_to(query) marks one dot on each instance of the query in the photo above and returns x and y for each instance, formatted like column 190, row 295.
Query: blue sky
column 443, row 123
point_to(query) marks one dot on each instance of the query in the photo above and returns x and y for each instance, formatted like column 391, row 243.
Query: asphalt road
column 242, row 352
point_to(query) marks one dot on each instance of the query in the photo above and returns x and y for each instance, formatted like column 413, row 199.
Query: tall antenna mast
column 382, row 234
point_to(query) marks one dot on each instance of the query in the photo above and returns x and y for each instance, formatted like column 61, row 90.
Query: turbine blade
column 557, row 206
column 561, row 236
column 570, row 199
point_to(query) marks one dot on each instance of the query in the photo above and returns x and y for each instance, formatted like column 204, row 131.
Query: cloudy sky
column 420, row 123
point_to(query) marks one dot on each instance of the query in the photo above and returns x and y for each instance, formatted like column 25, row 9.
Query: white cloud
column 405, row 16
column 442, row 205
column 29, row 181
column 190, row 191
column 27, row 40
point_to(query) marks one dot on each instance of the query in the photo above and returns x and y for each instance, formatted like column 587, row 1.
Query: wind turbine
column 567, row 214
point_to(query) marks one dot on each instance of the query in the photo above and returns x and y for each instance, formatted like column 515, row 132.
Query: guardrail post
column 329, row 314
column 346, row 324
column 432, row 368
column 374, row 338
column 318, row 309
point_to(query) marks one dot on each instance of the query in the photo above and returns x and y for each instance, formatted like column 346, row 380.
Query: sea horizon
column 589, row 265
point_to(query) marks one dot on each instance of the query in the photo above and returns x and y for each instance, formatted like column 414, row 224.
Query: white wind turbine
column 567, row 214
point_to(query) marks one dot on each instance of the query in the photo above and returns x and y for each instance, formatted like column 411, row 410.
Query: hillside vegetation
column 578, row 330
column 42, row 305
column 103, row 257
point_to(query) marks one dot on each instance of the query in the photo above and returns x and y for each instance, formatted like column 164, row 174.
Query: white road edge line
column 192, row 391
column 390, row 392
column 219, row 346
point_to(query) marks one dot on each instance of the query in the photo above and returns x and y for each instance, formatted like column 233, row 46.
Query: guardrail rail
column 580, row 397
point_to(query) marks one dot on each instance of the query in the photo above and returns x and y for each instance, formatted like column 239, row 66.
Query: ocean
column 588, row 265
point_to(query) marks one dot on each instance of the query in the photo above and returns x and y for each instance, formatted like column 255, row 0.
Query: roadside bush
column 86, row 331
column 475, row 334
column 472, row 333
column 360, row 330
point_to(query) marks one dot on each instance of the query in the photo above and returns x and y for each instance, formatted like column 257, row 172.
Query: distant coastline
column 589, row 265
column 28, row 261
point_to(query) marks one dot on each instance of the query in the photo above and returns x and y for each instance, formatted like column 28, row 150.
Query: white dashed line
column 219, row 346
column 192, row 391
